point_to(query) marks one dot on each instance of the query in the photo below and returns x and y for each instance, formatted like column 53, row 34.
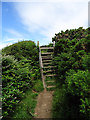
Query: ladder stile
column 46, row 66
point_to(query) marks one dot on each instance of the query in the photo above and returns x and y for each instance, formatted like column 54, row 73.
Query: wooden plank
column 44, row 48
column 50, row 81
column 48, row 53
column 51, row 86
column 50, row 75
column 46, row 58
column 48, row 71
column 46, row 61
column 49, row 67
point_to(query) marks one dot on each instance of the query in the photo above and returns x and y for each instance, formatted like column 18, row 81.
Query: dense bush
column 20, row 70
column 72, row 60
column 22, row 49
column 78, row 85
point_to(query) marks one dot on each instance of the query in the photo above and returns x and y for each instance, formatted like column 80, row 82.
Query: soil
column 44, row 105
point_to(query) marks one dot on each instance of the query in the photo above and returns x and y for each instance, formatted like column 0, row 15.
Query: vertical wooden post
column 53, row 43
column 37, row 43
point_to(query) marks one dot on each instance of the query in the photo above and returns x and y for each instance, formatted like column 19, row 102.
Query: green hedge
column 22, row 49
column 72, row 60
column 20, row 70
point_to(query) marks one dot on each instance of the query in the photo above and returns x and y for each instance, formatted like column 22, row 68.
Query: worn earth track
column 44, row 105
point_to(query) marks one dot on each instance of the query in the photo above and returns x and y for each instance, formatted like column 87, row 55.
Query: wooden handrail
column 40, row 58
column 41, row 68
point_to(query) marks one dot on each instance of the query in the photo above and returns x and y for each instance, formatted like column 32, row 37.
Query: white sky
column 48, row 17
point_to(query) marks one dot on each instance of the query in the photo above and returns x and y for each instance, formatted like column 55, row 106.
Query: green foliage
column 20, row 71
column 71, row 34
column 78, row 84
column 22, row 49
column 86, row 62
column 72, row 60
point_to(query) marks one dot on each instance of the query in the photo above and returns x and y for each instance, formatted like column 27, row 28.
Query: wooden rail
column 41, row 66
column 44, row 48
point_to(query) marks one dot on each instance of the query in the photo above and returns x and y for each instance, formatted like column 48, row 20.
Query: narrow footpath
column 44, row 105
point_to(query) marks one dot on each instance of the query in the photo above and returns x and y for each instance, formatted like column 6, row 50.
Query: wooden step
column 51, row 86
column 46, row 58
column 49, row 67
column 49, row 71
column 51, row 81
column 47, row 61
column 48, row 53
column 44, row 48
column 50, row 75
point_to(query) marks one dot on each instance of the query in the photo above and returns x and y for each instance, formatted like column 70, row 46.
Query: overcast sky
column 39, row 21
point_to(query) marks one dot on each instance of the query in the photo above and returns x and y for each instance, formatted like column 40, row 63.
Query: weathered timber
column 49, row 67
column 46, row 58
column 50, row 75
column 46, row 66
column 44, row 48
column 51, row 86
column 45, row 61
column 51, row 81
column 49, row 71
column 48, row 53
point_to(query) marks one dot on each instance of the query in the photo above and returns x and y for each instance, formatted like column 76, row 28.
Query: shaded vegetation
column 72, row 61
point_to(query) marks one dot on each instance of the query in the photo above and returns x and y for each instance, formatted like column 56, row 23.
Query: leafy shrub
column 72, row 61
column 86, row 61
column 22, row 49
column 78, row 85
column 20, row 68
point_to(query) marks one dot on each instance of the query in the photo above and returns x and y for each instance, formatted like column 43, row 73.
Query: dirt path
column 44, row 104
